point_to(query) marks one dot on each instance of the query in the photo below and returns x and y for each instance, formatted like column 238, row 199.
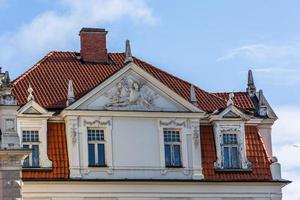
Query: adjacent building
column 110, row 126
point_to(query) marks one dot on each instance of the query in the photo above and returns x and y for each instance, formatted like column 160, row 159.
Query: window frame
column 231, row 127
column 172, row 144
column 96, row 143
column 30, row 145
column 230, row 146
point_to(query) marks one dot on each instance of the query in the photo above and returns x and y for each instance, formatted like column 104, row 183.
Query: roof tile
column 49, row 79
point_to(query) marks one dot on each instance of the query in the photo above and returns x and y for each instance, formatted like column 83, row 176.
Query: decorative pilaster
column 196, row 149
column 73, row 141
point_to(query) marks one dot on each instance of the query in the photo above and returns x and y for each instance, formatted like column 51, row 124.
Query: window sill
column 233, row 170
column 36, row 168
column 174, row 167
column 98, row 166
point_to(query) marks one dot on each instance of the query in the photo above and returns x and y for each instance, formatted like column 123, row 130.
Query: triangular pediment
column 229, row 113
column 32, row 108
column 131, row 89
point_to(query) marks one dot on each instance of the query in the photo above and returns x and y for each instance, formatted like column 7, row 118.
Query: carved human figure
column 134, row 94
column 129, row 92
column 121, row 97
column 123, row 90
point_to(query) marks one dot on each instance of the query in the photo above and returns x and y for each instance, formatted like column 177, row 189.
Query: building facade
column 105, row 126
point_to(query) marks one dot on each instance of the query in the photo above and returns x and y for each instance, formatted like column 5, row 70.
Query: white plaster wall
column 151, row 191
column 134, row 150
column 265, row 133
column 135, row 142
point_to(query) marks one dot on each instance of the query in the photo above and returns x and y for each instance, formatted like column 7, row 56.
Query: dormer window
column 229, row 132
column 230, row 146
column 32, row 123
column 30, row 140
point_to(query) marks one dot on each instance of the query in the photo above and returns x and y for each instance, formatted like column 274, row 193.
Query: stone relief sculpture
column 130, row 94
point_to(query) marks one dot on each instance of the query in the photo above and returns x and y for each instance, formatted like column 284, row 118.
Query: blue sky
column 210, row 43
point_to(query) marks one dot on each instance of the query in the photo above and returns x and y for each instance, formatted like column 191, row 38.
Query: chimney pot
column 93, row 45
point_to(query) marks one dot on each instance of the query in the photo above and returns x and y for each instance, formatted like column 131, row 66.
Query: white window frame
column 238, row 127
column 178, row 124
column 80, row 147
column 230, row 146
column 30, row 144
column 175, row 143
column 96, row 146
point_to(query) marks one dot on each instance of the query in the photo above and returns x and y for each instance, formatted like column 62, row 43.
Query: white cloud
column 52, row 30
column 286, row 138
column 277, row 64
column 264, row 52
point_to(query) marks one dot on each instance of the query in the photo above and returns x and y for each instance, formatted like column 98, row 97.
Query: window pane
column 101, row 154
column 30, row 136
column 92, row 154
column 168, row 155
column 35, row 155
column 171, row 136
column 229, row 139
column 26, row 161
column 226, row 157
column 95, row 135
column 177, row 156
column 234, row 157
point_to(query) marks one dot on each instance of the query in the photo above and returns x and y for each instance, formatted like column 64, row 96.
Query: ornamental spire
column 128, row 55
column 70, row 96
column 30, row 95
column 262, row 107
column 193, row 97
column 6, row 78
column 251, row 89
column 260, row 98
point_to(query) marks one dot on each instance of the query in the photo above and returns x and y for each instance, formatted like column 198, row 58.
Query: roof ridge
column 33, row 67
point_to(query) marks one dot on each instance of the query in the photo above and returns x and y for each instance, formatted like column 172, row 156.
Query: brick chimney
column 93, row 45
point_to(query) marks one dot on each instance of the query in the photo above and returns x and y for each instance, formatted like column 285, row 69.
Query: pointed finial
column 7, row 78
column 262, row 109
column 30, row 95
column 260, row 98
column 230, row 99
column 70, row 96
column 193, row 97
column 128, row 55
column 251, row 89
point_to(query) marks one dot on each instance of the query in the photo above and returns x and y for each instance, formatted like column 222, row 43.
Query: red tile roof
column 256, row 154
column 49, row 79
column 242, row 99
column 57, row 153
